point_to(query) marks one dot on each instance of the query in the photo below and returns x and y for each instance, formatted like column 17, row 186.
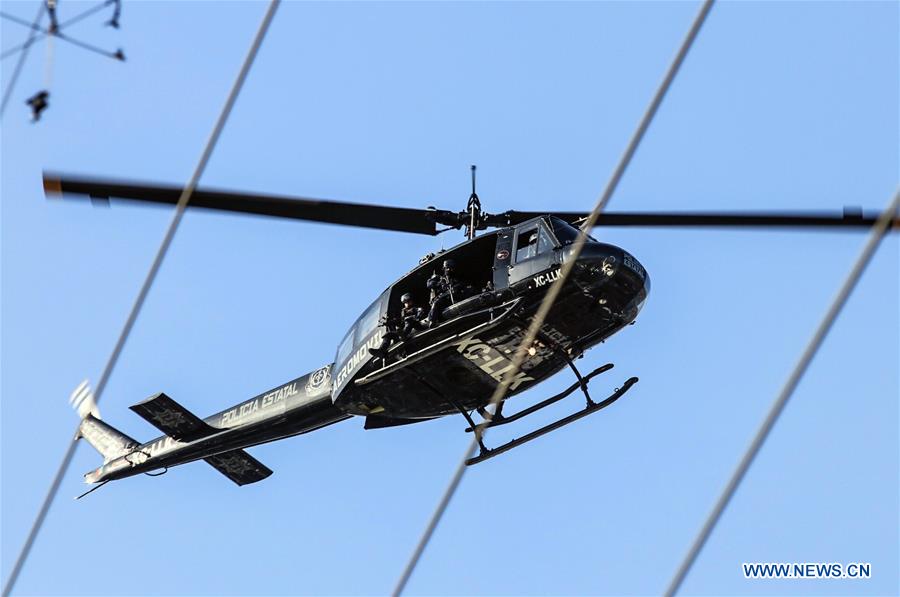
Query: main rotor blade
column 422, row 221
column 400, row 219
column 800, row 219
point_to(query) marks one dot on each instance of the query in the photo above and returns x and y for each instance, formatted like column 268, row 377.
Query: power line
column 86, row 13
column 878, row 231
column 90, row 48
column 148, row 282
column 32, row 37
column 41, row 33
column 22, row 22
column 555, row 289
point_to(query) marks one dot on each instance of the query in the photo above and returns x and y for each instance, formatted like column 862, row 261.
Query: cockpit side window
column 344, row 349
column 532, row 242
column 545, row 241
column 526, row 247
column 368, row 321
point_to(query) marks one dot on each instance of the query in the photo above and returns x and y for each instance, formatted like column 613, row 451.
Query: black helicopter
column 452, row 366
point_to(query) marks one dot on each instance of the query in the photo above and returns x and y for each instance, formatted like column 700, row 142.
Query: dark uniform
column 445, row 290
column 411, row 318
column 410, row 321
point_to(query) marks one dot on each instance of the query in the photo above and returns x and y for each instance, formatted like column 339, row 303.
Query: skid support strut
column 468, row 417
column 499, row 419
column 582, row 383
column 593, row 407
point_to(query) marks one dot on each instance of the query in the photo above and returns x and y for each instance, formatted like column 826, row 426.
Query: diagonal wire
column 556, row 288
column 86, row 13
column 879, row 229
column 22, row 22
column 32, row 37
column 88, row 47
column 22, row 46
column 43, row 32
column 148, row 282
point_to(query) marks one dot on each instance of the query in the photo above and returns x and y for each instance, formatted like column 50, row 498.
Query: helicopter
column 451, row 366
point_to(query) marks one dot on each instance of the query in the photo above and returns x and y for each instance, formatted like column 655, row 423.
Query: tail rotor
column 82, row 400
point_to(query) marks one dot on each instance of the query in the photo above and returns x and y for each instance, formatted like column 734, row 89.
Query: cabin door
column 532, row 252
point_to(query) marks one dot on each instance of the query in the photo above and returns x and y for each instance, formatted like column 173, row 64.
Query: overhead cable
column 32, row 37
column 148, row 282
column 22, row 22
column 881, row 227
column 40, row 32
column 55, row 30
column 555, row 289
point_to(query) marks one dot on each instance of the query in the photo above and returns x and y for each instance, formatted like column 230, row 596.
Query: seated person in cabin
column 411, row 316
column 410, row 321
column 446, row 289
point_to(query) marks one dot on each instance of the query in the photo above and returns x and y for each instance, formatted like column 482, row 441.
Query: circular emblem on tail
column 318, row 379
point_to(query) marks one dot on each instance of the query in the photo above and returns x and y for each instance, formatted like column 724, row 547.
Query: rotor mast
column 473, row 207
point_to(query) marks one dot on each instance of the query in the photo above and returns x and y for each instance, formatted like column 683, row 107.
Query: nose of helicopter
column 609, row 271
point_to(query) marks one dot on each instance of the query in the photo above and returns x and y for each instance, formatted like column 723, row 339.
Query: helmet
column 406, row 298
column 449, row 264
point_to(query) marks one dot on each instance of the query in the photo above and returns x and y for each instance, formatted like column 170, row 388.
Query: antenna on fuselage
column 474, row 209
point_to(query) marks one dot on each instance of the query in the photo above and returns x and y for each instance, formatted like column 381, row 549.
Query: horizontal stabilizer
column 239, row 466
column 172, row 419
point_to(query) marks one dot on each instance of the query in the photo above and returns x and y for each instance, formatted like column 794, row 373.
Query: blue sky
column 778, row 106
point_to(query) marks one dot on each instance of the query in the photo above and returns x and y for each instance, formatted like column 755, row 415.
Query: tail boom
column 300, row 406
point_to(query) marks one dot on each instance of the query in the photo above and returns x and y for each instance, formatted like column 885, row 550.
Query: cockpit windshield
column 345, row 346
column 368, row 321
column 565, row 232
column 361, row 330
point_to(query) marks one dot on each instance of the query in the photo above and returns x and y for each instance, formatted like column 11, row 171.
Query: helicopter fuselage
column 460, row 363
column 451, row 367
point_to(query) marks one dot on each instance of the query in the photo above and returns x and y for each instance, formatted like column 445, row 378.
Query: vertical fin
column 106, row 439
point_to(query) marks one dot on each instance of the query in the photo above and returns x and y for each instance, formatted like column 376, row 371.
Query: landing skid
column 499, row 419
